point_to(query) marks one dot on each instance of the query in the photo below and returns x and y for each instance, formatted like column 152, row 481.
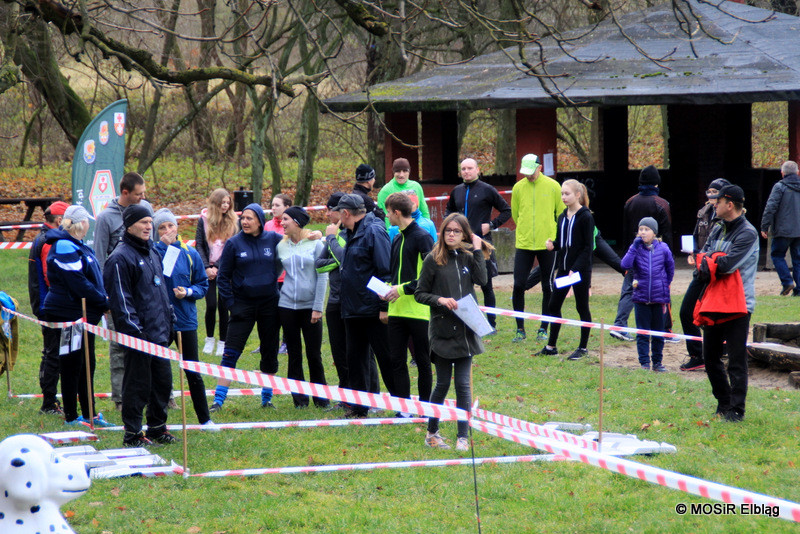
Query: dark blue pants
column 649, row 317
column 779, row 247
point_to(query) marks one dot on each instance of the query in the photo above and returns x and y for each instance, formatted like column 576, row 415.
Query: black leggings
column 72, row 368
column 581, row 293
column 197, row 388
column 296, row 323
column 212, row 305
column 523, row 263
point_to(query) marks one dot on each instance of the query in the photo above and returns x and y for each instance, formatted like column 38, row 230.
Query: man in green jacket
column 401, row 181
column 535, row 206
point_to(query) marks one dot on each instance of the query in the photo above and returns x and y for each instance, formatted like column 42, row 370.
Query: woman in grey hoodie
column 301, row 301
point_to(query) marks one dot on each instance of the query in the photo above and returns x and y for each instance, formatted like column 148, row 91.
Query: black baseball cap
column 732, row 192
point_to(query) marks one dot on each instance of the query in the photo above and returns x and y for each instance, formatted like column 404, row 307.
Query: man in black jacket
column 141, row 308
column 781, row 215
column 38, row 287
column 646, row 203
column 475, row 200
column 365, row 315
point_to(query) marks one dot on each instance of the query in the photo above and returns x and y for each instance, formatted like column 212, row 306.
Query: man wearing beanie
column 37, row 290
column 738, row 239
column 646, row 203
column 401, row 181
column 140, row 307
column 108, row 233
column 365, row 179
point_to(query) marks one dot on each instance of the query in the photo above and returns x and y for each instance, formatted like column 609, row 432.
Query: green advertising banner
column 99, row 162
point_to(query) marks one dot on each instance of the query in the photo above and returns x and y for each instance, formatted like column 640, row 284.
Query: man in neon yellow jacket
column 535, row 206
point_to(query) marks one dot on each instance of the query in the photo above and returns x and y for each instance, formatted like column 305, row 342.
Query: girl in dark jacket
column 575, row 244
column 653, row 269
column 74, row 274
column 449, row 273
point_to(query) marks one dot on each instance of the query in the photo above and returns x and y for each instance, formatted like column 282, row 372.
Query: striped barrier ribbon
column 31, row 226
column 574, row 322
column 374, row 400
column 42, row 323
column 377, row 465
column 710, row 490
column 187, row 393
column 320, row 423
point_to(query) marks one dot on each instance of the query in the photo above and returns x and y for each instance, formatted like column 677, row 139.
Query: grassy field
column 759, row 454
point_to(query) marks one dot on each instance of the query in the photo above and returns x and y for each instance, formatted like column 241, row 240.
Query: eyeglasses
column 454, row 231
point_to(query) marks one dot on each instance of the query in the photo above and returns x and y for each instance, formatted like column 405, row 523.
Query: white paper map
column 472, row 316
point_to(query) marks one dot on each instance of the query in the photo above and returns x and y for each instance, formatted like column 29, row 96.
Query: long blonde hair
column 579, row 189
column 220, row 225
column 440, row 251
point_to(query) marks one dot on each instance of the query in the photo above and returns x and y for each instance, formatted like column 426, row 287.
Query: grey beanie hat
column 650, row 223
column 76, row 213
column 161, row 216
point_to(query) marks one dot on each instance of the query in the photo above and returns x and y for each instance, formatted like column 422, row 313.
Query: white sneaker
column 462, row 444
column 208, row 348
column 220, row 347
column 210, row 426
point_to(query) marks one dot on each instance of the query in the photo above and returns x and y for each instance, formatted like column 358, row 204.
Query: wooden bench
column 31, row 204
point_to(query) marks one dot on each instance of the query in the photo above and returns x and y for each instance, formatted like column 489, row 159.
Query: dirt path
column 605, row 281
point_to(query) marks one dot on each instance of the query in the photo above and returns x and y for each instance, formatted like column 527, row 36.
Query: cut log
column 775, row 355
column 784, row 331
column 794, row 379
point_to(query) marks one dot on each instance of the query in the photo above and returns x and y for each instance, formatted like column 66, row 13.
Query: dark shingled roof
column 760, row 62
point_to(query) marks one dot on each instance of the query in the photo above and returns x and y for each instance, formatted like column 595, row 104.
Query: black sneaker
column 215, row 407
column 267, row 404
column 53, row 409
column 659, row 368
column 350, row 413
column 165, row 439
column 693, row 364
column 139, row 440
column 787, row 290
column 732, row 416
column 578, row 354
column 547, row 351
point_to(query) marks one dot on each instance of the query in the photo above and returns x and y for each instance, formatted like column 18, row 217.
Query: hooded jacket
column 249, row 265
column 74, row 274
column 782, row 211
column 450, row 337
column 574, row 242
column 365, row 255
column 109, row 228
column 137, row 292
column 189, row 273
column 303, row 287
column 653, row 268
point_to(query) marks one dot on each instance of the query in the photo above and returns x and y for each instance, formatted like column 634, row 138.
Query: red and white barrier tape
column 378, row 465
column 15, row 245
column 319, row 423
column 187, row 393
column 42, row 323
column 573, row 322
column 654, row 475
column 32, row 226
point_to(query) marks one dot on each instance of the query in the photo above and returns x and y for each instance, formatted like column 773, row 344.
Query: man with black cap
column 365, row 179
column 401, row 181
column 108, row 233
column 476, row 199
column 365, row 315
column 781, row 215
column 738, row 239
column 646, row 203
column 140, row 307
column 38, row 286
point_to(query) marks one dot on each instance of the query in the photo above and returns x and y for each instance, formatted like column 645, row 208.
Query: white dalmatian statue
column 34, row 483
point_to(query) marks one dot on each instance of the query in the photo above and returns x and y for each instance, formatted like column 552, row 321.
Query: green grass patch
column 759, row 454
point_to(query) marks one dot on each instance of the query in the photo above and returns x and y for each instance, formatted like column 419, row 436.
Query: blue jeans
column 649, row 317
column 779, row 247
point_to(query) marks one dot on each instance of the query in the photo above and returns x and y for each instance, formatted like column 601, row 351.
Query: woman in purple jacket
column 653, row 268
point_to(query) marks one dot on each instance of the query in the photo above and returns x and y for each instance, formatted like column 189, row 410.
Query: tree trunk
column 201, row 126
column 274, row 167
column 505, row 156
column 309, row 139
column 235, row 137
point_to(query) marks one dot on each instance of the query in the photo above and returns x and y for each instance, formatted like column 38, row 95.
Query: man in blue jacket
column 140, row 307
column 365, row 315
column 781, row 215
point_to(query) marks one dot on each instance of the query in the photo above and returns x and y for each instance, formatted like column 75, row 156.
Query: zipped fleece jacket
column 782, row 212
column 74, row 274
column 394, row 187
column 366, row 255
column 535, row 206
column 190, row 273
column 574, row 242
column 137, row 292
column 304, row 287
column 475, row 201
column 249, row 267
column 738, row 239
column 450, row 337
column 109, row 228
column 653, row 268
column 409, row 249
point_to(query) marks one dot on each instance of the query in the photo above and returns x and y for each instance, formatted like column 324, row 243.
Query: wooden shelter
column 707, row 79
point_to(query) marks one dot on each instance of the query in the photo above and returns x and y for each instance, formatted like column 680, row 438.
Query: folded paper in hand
column 378, row 286
column 472, row 316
